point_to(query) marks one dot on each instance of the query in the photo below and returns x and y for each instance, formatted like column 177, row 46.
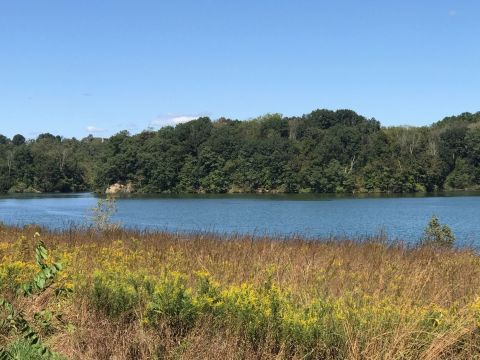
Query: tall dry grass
column 387, row 301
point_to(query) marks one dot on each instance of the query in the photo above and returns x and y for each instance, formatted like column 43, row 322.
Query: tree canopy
column 324, row 151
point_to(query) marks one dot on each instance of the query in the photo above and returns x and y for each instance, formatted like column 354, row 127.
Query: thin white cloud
column 182, row 119
column 171, row 119
column 452, row 13
column 93, row 129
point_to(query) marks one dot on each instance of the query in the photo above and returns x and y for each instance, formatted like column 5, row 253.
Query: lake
column 402, row 217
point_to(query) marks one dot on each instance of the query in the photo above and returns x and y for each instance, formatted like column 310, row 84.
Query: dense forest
column 323, row 151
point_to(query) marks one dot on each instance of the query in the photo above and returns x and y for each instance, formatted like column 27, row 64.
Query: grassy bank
column 125, row 295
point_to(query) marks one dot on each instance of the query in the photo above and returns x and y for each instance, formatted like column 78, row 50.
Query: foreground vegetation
column 323, row 151
column 126, row 295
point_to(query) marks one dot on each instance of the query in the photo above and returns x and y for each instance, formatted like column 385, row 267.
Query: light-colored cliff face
column 119, row 188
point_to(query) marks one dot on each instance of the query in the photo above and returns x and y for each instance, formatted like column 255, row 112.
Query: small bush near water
column 128, row 295
column 438, row 235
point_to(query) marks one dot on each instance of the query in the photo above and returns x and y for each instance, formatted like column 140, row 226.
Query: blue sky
column 75, row 67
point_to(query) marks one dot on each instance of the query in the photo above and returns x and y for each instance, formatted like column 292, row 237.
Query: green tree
column 18, row 140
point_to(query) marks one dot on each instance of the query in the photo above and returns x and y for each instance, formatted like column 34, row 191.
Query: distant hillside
column 323, row 151
column 462, row 119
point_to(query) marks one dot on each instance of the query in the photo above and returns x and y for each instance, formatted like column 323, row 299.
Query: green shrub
column 23, row 350
column 437, row 235
column 208, row 297
column 172, row 305
column 118, row 293
column 14, row 320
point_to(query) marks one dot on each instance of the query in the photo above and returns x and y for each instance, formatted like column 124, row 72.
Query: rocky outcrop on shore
column 119, row 189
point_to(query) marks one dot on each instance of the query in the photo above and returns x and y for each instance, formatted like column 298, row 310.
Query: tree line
column 322, row 152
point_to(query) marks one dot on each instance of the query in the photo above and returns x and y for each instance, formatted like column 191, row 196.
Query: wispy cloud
column 452, row 13
column 93, row 129
column 173, row 119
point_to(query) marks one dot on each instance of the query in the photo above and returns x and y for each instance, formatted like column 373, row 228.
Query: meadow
column 120, row 294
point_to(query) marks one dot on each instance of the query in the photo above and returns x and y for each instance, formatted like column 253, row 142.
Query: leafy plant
column 23, row 350
column 436, row 234
column 103, row 213
column 44, row 278
column 118, row 293
column 172, row 304
column 15, row 320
